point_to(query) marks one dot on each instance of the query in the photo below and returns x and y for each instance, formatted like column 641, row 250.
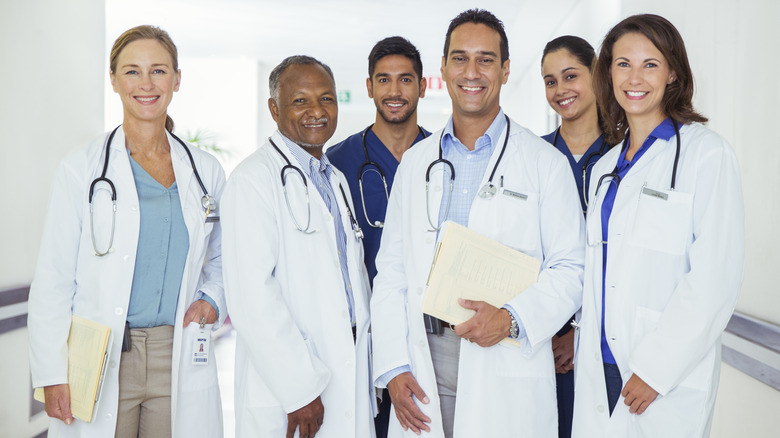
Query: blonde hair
column 145, row 32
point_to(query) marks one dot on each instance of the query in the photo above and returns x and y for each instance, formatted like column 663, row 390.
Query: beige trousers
column 145, row 384
column 445, row 352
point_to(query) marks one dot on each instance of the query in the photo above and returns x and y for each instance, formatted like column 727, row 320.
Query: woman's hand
column 58, row 402
column 200, row 309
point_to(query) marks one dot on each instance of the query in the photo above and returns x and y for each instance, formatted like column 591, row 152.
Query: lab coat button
column 419, row 291
column 348, row 364
column 112, row 364
column 429, row 240
column 134, row 208
column 118, row 310
column 600, row 408
column 421, row 344
column 437, row 188
column 109, row 417
column 345, row 314
column 348, row 414
column 126, row 258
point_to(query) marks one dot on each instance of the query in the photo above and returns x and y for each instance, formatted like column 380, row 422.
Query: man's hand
column 58, row 402
column 563, row 351
column 403, row 388
column 638, row 395
column 198, row 310
column 488, row 327
column 308, row 418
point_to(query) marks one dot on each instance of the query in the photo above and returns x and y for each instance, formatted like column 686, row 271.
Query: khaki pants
column 145, row 384
column 445, row 352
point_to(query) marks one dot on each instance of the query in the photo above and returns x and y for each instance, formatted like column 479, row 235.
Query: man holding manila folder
column 487, row 173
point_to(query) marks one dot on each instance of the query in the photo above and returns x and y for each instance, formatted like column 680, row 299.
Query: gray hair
column 273, row 79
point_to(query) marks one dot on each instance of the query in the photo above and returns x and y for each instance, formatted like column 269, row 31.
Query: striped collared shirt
column 319, row 173
column 470, row 167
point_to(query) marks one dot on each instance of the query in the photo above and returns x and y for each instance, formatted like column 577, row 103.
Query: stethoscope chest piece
column 208, row 202
column 488, row 191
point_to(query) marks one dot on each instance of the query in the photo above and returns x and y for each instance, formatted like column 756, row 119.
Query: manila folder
column 471, row 266
column 87, row 344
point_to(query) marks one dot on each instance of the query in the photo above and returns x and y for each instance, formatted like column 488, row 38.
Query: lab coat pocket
column 196, row 377
column 514, row 219
column 645, row 320
column 663, row 221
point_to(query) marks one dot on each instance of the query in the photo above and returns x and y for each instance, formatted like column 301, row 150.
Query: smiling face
column 568, row 85
column 473, row 71
column 395, row 88
column 145, row 80
column 640, row 74
column 307, row 108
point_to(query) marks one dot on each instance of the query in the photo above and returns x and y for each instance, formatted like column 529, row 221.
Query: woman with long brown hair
column 665, row 232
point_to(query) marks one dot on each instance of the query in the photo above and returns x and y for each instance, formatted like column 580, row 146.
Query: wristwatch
column 513, row 328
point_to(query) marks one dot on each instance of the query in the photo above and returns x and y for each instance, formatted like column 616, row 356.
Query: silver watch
column 513, row 329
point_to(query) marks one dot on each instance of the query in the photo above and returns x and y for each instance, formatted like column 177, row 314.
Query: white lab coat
column 502, row 391
column 674, row 271
column 70, row 280
column 289, row 306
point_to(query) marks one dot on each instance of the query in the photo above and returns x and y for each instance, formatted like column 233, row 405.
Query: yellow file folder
column 88, row 342
column 472, row 266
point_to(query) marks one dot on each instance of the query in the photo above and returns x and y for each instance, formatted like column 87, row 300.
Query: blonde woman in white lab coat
column 104, row 271
column 665, row 231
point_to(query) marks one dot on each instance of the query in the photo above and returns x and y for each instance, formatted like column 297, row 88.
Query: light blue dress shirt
column 163, row 243
column 470, row 168
column 319, row 172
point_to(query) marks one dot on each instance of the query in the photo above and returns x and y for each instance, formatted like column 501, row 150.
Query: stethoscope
column 488, row 191
column 369, row 163
column 289, row 167
column 586, row 164
column 208, row 202
column 616, row 178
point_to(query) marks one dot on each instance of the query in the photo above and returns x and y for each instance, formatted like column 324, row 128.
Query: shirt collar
column 305, row 159
column 664, row 131
column 489, row 139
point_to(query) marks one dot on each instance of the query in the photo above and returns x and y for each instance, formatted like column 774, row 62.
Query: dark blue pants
column 382, row 419
column 614, row 384
column 565, row 389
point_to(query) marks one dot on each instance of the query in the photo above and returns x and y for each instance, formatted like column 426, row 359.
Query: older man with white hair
column 294, row 274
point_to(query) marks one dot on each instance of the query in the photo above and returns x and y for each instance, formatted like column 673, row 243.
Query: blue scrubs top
column 348, row 156
column 589, row 158
column 664, row 131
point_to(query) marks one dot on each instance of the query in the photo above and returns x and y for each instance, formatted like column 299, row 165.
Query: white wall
column 733, row 53
column 52, row 102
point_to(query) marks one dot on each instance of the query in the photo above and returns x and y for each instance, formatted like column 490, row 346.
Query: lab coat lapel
column 438, row 189
column 659, row 146
column 120, row 172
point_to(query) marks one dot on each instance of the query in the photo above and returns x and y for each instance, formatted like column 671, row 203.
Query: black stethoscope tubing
column 103, row 177
column 446, row 162
column 441, row 159
column 289, row 166
column 614, row 174
column 367, row 163
column 603, row 149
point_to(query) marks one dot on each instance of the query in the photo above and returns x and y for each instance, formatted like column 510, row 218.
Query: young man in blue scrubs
column 395, row 82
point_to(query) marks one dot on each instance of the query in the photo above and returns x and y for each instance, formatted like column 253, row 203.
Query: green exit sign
column 345, row 96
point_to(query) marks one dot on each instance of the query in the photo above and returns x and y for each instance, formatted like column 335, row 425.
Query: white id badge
column 200, row 349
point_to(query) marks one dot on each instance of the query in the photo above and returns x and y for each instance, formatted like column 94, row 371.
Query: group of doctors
column 324, row 255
